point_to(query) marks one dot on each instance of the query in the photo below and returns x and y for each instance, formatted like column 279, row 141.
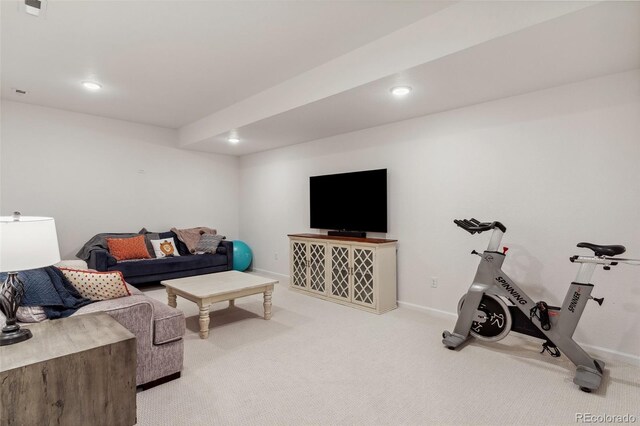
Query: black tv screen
column 354, row 201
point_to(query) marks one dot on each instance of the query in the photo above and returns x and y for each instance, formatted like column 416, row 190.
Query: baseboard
column 596, row 351
column 436, row 312
column 610, row 354
column 283, row 279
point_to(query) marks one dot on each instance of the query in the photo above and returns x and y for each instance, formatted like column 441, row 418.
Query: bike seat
column 604, row 250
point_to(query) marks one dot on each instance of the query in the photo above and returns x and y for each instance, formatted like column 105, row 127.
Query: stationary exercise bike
column 483, row 311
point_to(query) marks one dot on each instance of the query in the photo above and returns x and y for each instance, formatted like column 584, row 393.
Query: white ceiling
column 169, row 63
column 592, row 42
column 286, row 72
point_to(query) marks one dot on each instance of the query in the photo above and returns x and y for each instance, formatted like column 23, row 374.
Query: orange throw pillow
column 128, row 248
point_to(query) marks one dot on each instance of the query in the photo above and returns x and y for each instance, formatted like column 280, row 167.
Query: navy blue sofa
column 151, row 270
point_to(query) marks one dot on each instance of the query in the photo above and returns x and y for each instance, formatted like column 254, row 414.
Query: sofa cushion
column 72, row 263
column 168, row 323
column 169, row 264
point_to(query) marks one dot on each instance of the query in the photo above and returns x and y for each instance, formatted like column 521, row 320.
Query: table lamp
column 26, row 242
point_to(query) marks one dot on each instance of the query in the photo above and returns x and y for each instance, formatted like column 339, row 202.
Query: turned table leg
column 267, row 304
column 172, row 298
column 204, row 322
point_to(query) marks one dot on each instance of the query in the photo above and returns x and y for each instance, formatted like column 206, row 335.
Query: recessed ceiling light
column 400, row 90
column 91, row 85
column 233, row 139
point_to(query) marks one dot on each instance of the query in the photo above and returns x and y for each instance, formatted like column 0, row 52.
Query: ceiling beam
column 455, row 28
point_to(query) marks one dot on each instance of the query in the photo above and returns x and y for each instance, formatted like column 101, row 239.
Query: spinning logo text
column 511, row 291
column 574, row 300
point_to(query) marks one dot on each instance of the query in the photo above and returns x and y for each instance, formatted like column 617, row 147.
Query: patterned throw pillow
column 128, row 248
column 165, row 247
column 97, row 285
column 209, row 243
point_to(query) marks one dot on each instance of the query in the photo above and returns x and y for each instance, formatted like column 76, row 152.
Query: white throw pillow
column 72, row 263
column 165, row 247
column 31, row 314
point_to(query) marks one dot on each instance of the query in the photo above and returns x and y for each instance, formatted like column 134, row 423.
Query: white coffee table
column 204, row 290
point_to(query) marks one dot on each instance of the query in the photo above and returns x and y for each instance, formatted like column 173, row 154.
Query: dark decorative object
column 25, row 243
column 11, row 294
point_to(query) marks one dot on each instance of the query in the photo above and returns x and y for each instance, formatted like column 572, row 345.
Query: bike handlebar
column 473, row 226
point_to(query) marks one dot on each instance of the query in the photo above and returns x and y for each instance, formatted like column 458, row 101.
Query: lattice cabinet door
column 299, row 264
column 318, row 267
column 363, row 260
column 339, row 272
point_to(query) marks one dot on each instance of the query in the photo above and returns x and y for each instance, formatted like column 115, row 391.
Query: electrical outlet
column 434, row 282
column 275, row 256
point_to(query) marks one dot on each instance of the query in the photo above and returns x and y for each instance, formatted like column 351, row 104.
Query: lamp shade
column 27, row 242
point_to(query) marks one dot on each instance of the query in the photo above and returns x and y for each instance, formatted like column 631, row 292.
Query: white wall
column 557, row 167
column 85, row 171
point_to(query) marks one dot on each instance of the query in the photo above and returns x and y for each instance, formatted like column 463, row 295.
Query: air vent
column 33, row 7
column 19, row 91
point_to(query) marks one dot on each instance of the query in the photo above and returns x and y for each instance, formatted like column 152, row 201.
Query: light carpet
column 320, row 363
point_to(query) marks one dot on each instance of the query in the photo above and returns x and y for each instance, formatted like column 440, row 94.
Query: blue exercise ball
column 241, row 255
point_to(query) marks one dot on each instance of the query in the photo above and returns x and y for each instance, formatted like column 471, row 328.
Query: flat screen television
column 355, row 201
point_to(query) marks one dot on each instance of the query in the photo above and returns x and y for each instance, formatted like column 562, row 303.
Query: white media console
column 358, row 272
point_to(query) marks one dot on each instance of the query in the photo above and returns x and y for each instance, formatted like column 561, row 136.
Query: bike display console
column 357, row 272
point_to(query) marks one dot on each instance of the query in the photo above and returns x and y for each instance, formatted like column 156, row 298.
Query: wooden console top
column 334, row 238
